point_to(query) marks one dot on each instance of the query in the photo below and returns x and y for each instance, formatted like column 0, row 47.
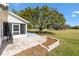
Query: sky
column 69, row 10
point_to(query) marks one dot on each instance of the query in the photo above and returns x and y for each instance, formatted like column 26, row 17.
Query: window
column 16, row 29
column 22, row 29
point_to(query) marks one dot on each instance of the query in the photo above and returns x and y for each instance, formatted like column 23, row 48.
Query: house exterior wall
column 12, row 19
column 3, row 16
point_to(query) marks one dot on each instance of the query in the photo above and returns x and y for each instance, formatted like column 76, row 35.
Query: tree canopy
column 43, row 17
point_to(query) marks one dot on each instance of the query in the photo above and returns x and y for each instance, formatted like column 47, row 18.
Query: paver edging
column 52, row 46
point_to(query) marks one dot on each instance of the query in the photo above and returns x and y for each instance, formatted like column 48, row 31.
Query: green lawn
column 69, row 42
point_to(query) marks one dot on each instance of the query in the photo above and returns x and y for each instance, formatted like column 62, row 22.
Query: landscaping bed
column 49, row 42
column 34, row 51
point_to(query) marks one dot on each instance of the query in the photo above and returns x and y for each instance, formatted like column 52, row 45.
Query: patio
column 10, row 48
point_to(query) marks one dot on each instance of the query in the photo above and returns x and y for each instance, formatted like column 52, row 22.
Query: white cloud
column 76, row 12
column 73, row 15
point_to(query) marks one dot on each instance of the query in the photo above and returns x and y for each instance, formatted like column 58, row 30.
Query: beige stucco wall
column 3, row 15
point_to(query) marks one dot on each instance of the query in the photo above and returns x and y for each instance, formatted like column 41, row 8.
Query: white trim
column 19, row 29
column 26, row 29
column 13, row 28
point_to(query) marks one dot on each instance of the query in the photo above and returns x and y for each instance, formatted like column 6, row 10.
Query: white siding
column 13, row 19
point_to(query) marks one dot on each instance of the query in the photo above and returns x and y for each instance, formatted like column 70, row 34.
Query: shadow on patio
column 4, row 45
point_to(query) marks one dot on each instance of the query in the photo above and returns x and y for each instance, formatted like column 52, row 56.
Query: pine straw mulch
column 37, row 50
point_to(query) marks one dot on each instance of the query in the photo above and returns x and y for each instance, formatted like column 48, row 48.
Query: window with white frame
column 16, row 29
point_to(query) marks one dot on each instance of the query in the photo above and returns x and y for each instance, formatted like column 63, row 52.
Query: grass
column 69, row 42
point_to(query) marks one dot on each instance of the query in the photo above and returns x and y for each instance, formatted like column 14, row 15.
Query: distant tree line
column 75, row 27
column 72, row 27
column 43, row 18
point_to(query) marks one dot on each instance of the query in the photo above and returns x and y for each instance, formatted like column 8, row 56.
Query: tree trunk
column 40, row 29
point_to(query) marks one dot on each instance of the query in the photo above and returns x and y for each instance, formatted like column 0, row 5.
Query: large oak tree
column 43, row 17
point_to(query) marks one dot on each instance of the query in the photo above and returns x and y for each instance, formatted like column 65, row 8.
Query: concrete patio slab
column 20, row 44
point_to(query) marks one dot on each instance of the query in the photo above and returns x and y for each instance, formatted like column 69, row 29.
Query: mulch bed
column 34, row 51
column 49, row 41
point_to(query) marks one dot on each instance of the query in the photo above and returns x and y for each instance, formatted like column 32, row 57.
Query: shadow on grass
column 43, row 32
